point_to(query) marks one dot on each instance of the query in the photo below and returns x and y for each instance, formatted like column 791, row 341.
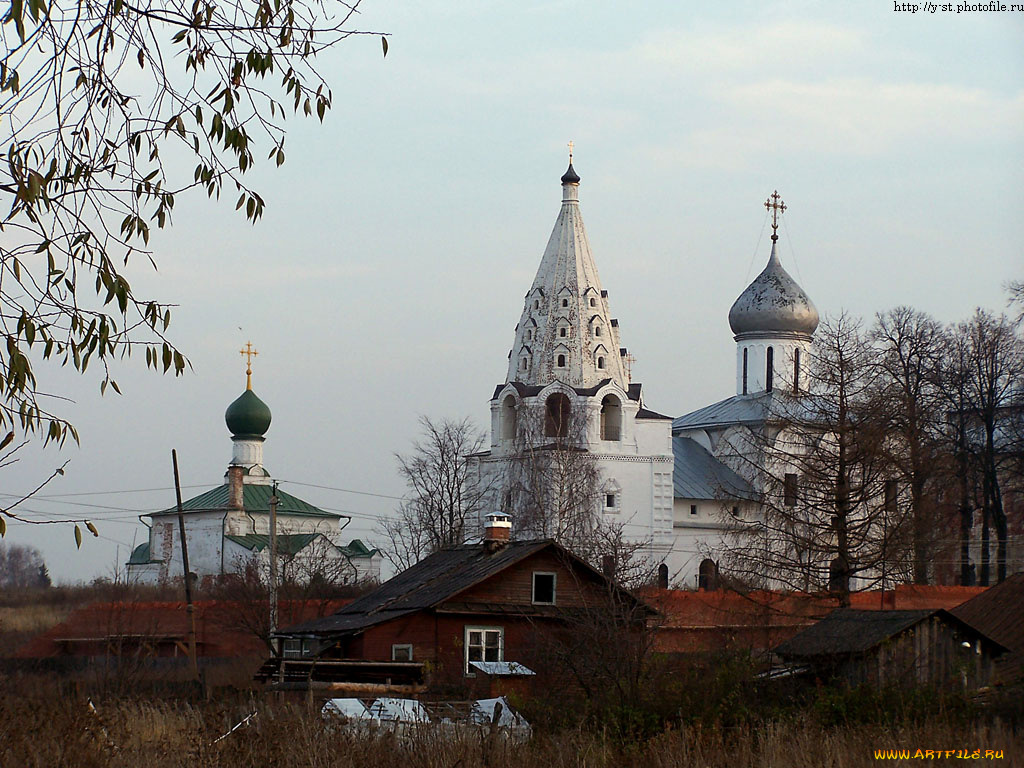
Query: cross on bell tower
column 776, row 205
column 249, row 353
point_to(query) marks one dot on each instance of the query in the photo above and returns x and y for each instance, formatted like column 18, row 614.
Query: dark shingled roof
column 429, row 582
column 999, row 613
column 848, row 631
column 255, row 498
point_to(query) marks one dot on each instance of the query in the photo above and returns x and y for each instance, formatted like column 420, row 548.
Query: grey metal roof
column 738, row 409
column 699, row 475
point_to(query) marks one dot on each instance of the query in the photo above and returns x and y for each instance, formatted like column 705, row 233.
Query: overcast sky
column 387, row 276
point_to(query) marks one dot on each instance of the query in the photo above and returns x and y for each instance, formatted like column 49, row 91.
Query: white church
column 663, row 481
column 227, row 528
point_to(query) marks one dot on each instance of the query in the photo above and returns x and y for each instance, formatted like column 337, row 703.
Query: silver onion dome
column 773, row 303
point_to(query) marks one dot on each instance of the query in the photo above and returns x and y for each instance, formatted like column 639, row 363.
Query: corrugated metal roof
column 140, row 555
column 255, row 498
column 699, row 475
column 356, row 548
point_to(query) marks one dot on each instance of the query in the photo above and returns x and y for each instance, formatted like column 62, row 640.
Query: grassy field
column 40, row 729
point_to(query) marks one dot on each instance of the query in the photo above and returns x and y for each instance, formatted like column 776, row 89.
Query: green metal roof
column 140, row 555
column 255, row 498
column 287, row 544
column 356, row 548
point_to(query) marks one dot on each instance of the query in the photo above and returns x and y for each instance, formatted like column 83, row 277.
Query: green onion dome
column 248, row 416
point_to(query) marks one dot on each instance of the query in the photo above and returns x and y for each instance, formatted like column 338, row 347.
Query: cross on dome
column 776, row 205
column 571, row 145
column 249, row 353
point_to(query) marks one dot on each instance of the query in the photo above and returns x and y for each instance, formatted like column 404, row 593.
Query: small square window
column 544, row 588
column 693, row 509
column 401, row 652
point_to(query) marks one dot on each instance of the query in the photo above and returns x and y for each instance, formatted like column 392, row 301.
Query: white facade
column 227, row 528
column 568, row 381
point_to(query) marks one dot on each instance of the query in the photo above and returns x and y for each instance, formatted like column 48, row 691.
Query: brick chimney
column 497, row 531
column 235, row 493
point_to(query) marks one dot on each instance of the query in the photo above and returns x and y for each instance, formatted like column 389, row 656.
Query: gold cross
column 249, row 353
column 571, row 145
column 775, row 204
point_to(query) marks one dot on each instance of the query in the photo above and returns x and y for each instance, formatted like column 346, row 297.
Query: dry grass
column 62, row 730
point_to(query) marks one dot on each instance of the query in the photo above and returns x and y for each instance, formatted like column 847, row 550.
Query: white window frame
column 397, row 646
column 485, row 630
column 554, row 587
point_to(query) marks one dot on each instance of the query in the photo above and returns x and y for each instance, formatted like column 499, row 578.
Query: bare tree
column 992, row 376
column 552, row 483
column 112, row 111
column 815, row 464
column 446, row 494
column 908, row 404
column 22, row 567
column 309, row 583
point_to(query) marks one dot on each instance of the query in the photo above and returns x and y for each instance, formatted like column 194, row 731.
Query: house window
column 536, row 304
column 484, row 644
column 544, row 588
column 593, row 301
column 565, row 302
column 693, row 509
column 769, row 372
column 597, row 330
column 295, row 648
column 789, row 489
column 600, row 362
column 561, row 361
column 557, row 411
column 401, row 652
column 609, row 502
column 563, row 332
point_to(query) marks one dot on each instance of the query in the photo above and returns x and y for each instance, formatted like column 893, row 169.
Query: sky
column 386, row 277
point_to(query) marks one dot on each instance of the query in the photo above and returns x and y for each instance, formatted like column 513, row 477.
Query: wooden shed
column 895, row 648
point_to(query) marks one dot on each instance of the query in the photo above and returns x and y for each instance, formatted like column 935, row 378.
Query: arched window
column 593, row 301
column 536, row 303
column 556, row 411
column 769, row 372
column 611, row 418
column 597, row 330
column 561, row 361
column 707, row 578
column 796, row 371
column 563, row 332
column 524, row 363
column 744, row 370
column 600, row 361
column 565, row 302
column 508, row 417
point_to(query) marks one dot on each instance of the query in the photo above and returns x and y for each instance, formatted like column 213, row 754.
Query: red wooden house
column 457, row 617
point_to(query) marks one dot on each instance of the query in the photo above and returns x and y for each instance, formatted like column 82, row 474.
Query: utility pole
column 273, row 560
column 189, row 608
